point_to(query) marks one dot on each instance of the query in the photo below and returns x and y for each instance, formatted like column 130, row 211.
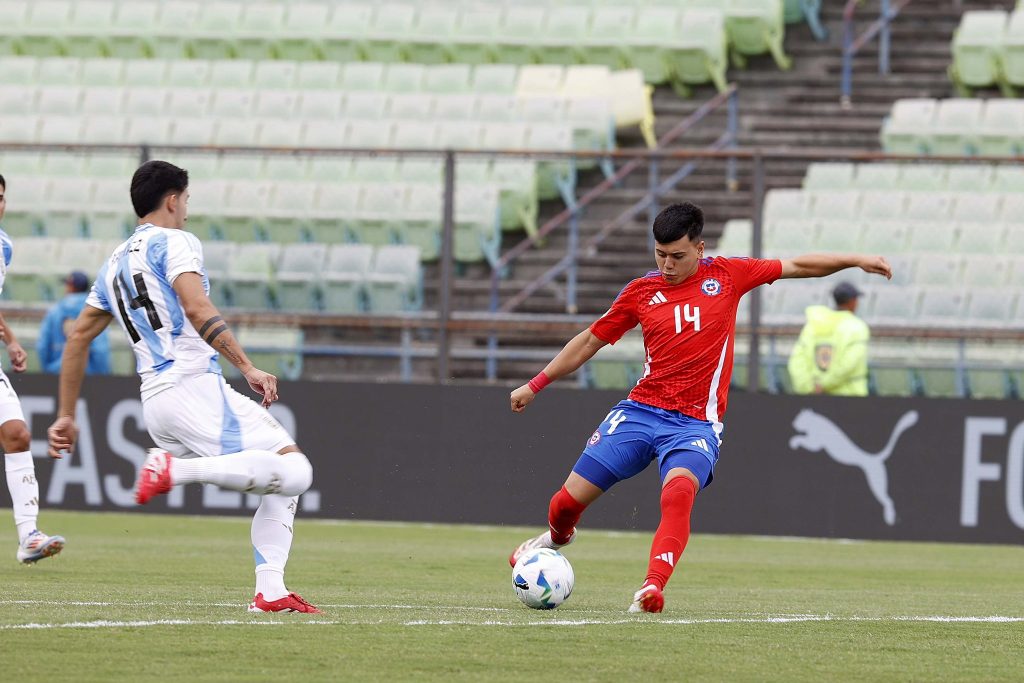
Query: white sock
column 271, row 542
column 21, row 482
column 253, row 471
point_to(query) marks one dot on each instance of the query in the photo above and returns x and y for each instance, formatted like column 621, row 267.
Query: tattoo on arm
column 225, row 348
column 208, row 324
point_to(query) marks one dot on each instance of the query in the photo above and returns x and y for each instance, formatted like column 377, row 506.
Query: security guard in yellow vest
column 831, row 355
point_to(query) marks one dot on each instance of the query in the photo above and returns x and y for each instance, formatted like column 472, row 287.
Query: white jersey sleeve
column 98, row 297
column 184, row 254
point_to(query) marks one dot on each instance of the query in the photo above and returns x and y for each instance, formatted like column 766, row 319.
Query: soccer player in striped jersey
column 33, row 544
column 155, row 286
column 687, row 312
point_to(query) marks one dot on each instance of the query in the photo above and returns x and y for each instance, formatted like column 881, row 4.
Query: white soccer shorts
column 10, row 404
column 203, row 416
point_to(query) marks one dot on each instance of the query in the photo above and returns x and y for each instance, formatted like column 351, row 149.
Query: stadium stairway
column 778, row 109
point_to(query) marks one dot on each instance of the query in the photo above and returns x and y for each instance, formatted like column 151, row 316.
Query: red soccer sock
column 673, row 531
column 563, row 514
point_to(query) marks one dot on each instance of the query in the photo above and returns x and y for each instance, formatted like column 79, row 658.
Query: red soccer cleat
column 289, row 603
column 154, row 477
column 648, row 599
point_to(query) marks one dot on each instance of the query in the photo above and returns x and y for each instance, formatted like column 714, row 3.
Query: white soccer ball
column 543, row 578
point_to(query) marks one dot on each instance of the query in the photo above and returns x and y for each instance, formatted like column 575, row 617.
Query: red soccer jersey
column 688, row 332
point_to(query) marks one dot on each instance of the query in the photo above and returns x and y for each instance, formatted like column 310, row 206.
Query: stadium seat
column 619, row 365
column 277, row 350
column 882, row 205
column 257, row 32
column 644, row 46
column 395, row 281
column 999, row 132
column 755, row 27
column 976, row 46
column 430, row 39
column 168, row 41
column 603, row 43
column 288, row 212
column 392, row 23
column 325, row 105
column 986, row 271
column 835, row 204
column 317, row 75
column 838, row 236
column 942, row 306
column 981, row 238
column 969, row 178
column 894, row 306
column 829, row 176
column 341, row 37
column 699, row 55
column 375, row 219
column 991, row 308
column 448, row 79
column 495, row 79
column 344, row 278
column 299, row 276
column 972, row 206
column 245, row 205
column 736, row 238
column 252, row 274
column 1012, row 52
column 780, row 204
column 477, row 224
column 935, row 207
column 477, row 31
column 1008, row 178
column 923, row 177
column 787, row 236
column 521, row 25
column 299, row 39
column 938, row 270
column 952, row 129
column 904, row 130
column 563, row 34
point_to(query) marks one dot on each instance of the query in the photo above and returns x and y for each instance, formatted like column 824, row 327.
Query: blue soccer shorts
column 634, row 434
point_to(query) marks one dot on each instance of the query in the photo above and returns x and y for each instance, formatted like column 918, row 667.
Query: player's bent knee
column 300, row 474
column 15, row 437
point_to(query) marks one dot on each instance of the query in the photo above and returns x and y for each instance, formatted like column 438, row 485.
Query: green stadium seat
column 835, row 204
column 619, row 365
column 44, row 28
column 85, row 35
column 244, row 207
column 699, row 54
column 952, row 129
column 896, row 306
column 999, row 132
column 15, row 14
column 366, row 106
column 344, row 278
column 563, row 34
column 369, row 134
column 168, row 41
column 517, row 183
column 942, row 306
column 274, row 74
column 313, row 76
column 496, row 108
column 299, row 39
column 755, row 27
column 342, row 36
column 556, row 177
column 444, row 109
column 477, row 224
column 1012, row 52
column 392, row 24
column 970, row 177
column 257, row 33
column 479, row 28
column 414, row 135
column 28, row 282
column 214, row 34
column 404, row 78
column 788, row 236
column 66, row 199
column 838, row 236
column 193, row 131
column 1008, row 178
column 905, row 129
column 217, row 260
column 68, row 130
column 631, row 102
column 929, row 206
column 18, row 70
column 975, row 207
column 288, row 212
column 644, row 46
column 923, row 177
column 277, row 350
column 325, row 105
column 882, row 205
column 375, row 219
column 335, row 206
column 991, row 383
column 299, row 276
column 603, row 43
column 130, row 31
column 981, row 238
column 430, row 39
column 493, row 79
column 976, row 46
column 829, row 176
column 924, row 237
column 395, row 280
column 102, row 72
column 420, row 224
column 19, row 129
column 368, row 169
column 780, row 204
column 137, row 73
column 59, row 71
column 252, row 274
column 990, row 308
column 520, row 27
column 231, row 74
column 17, row 100
column 938, row 270
column 986, row 271
column 447, row 79
column 885, row 237
column 891, row 381
column 736, row 238
column 241, row 166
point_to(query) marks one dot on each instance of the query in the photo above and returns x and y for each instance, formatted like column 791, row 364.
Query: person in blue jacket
column 58, row 322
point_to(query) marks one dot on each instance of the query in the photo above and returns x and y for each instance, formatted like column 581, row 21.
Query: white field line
column 103, row 623
column 79, row 603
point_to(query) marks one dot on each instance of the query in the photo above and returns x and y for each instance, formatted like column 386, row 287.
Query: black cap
column 78, row 280
column 844, row 292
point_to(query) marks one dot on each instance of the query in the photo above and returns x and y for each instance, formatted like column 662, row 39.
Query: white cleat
column 650, row 598
column 542, row 541
column 38, row 546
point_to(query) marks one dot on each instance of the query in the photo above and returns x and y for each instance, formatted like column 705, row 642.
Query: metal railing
column 890, row 9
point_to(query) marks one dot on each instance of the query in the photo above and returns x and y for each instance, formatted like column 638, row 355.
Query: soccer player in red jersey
column 687, row 312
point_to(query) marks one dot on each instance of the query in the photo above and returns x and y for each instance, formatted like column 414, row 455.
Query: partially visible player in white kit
column 33, row 544
column 156, row 287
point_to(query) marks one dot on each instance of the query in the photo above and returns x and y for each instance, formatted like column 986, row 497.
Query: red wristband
column 539, row 382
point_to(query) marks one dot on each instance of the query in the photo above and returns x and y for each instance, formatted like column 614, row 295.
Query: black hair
column 153, row 181
column 3, row 183
column 677, row 221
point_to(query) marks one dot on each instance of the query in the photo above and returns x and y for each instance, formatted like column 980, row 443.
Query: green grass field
column 137, row 596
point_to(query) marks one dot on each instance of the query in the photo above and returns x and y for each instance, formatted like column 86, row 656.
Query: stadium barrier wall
column 907, row 469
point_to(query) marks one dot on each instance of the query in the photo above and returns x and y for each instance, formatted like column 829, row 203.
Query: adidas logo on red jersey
column 658, row 298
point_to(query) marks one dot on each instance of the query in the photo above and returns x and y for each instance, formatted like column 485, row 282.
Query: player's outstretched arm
column 19, row 359
column 207, row 320
column 90, row 322
column 820, row 265
column 573, row 355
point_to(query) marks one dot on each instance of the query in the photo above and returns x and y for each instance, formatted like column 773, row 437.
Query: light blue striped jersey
column 7, row 246
column 134, row 286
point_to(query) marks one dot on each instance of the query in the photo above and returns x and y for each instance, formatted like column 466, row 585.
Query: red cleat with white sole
column 289, row 603
column 154, row 477
column 648, row 599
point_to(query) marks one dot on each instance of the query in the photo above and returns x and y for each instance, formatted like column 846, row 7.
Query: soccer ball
column 543, row 578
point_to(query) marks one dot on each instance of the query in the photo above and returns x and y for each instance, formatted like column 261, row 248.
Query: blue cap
column 78, row 280
column 844, row 292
